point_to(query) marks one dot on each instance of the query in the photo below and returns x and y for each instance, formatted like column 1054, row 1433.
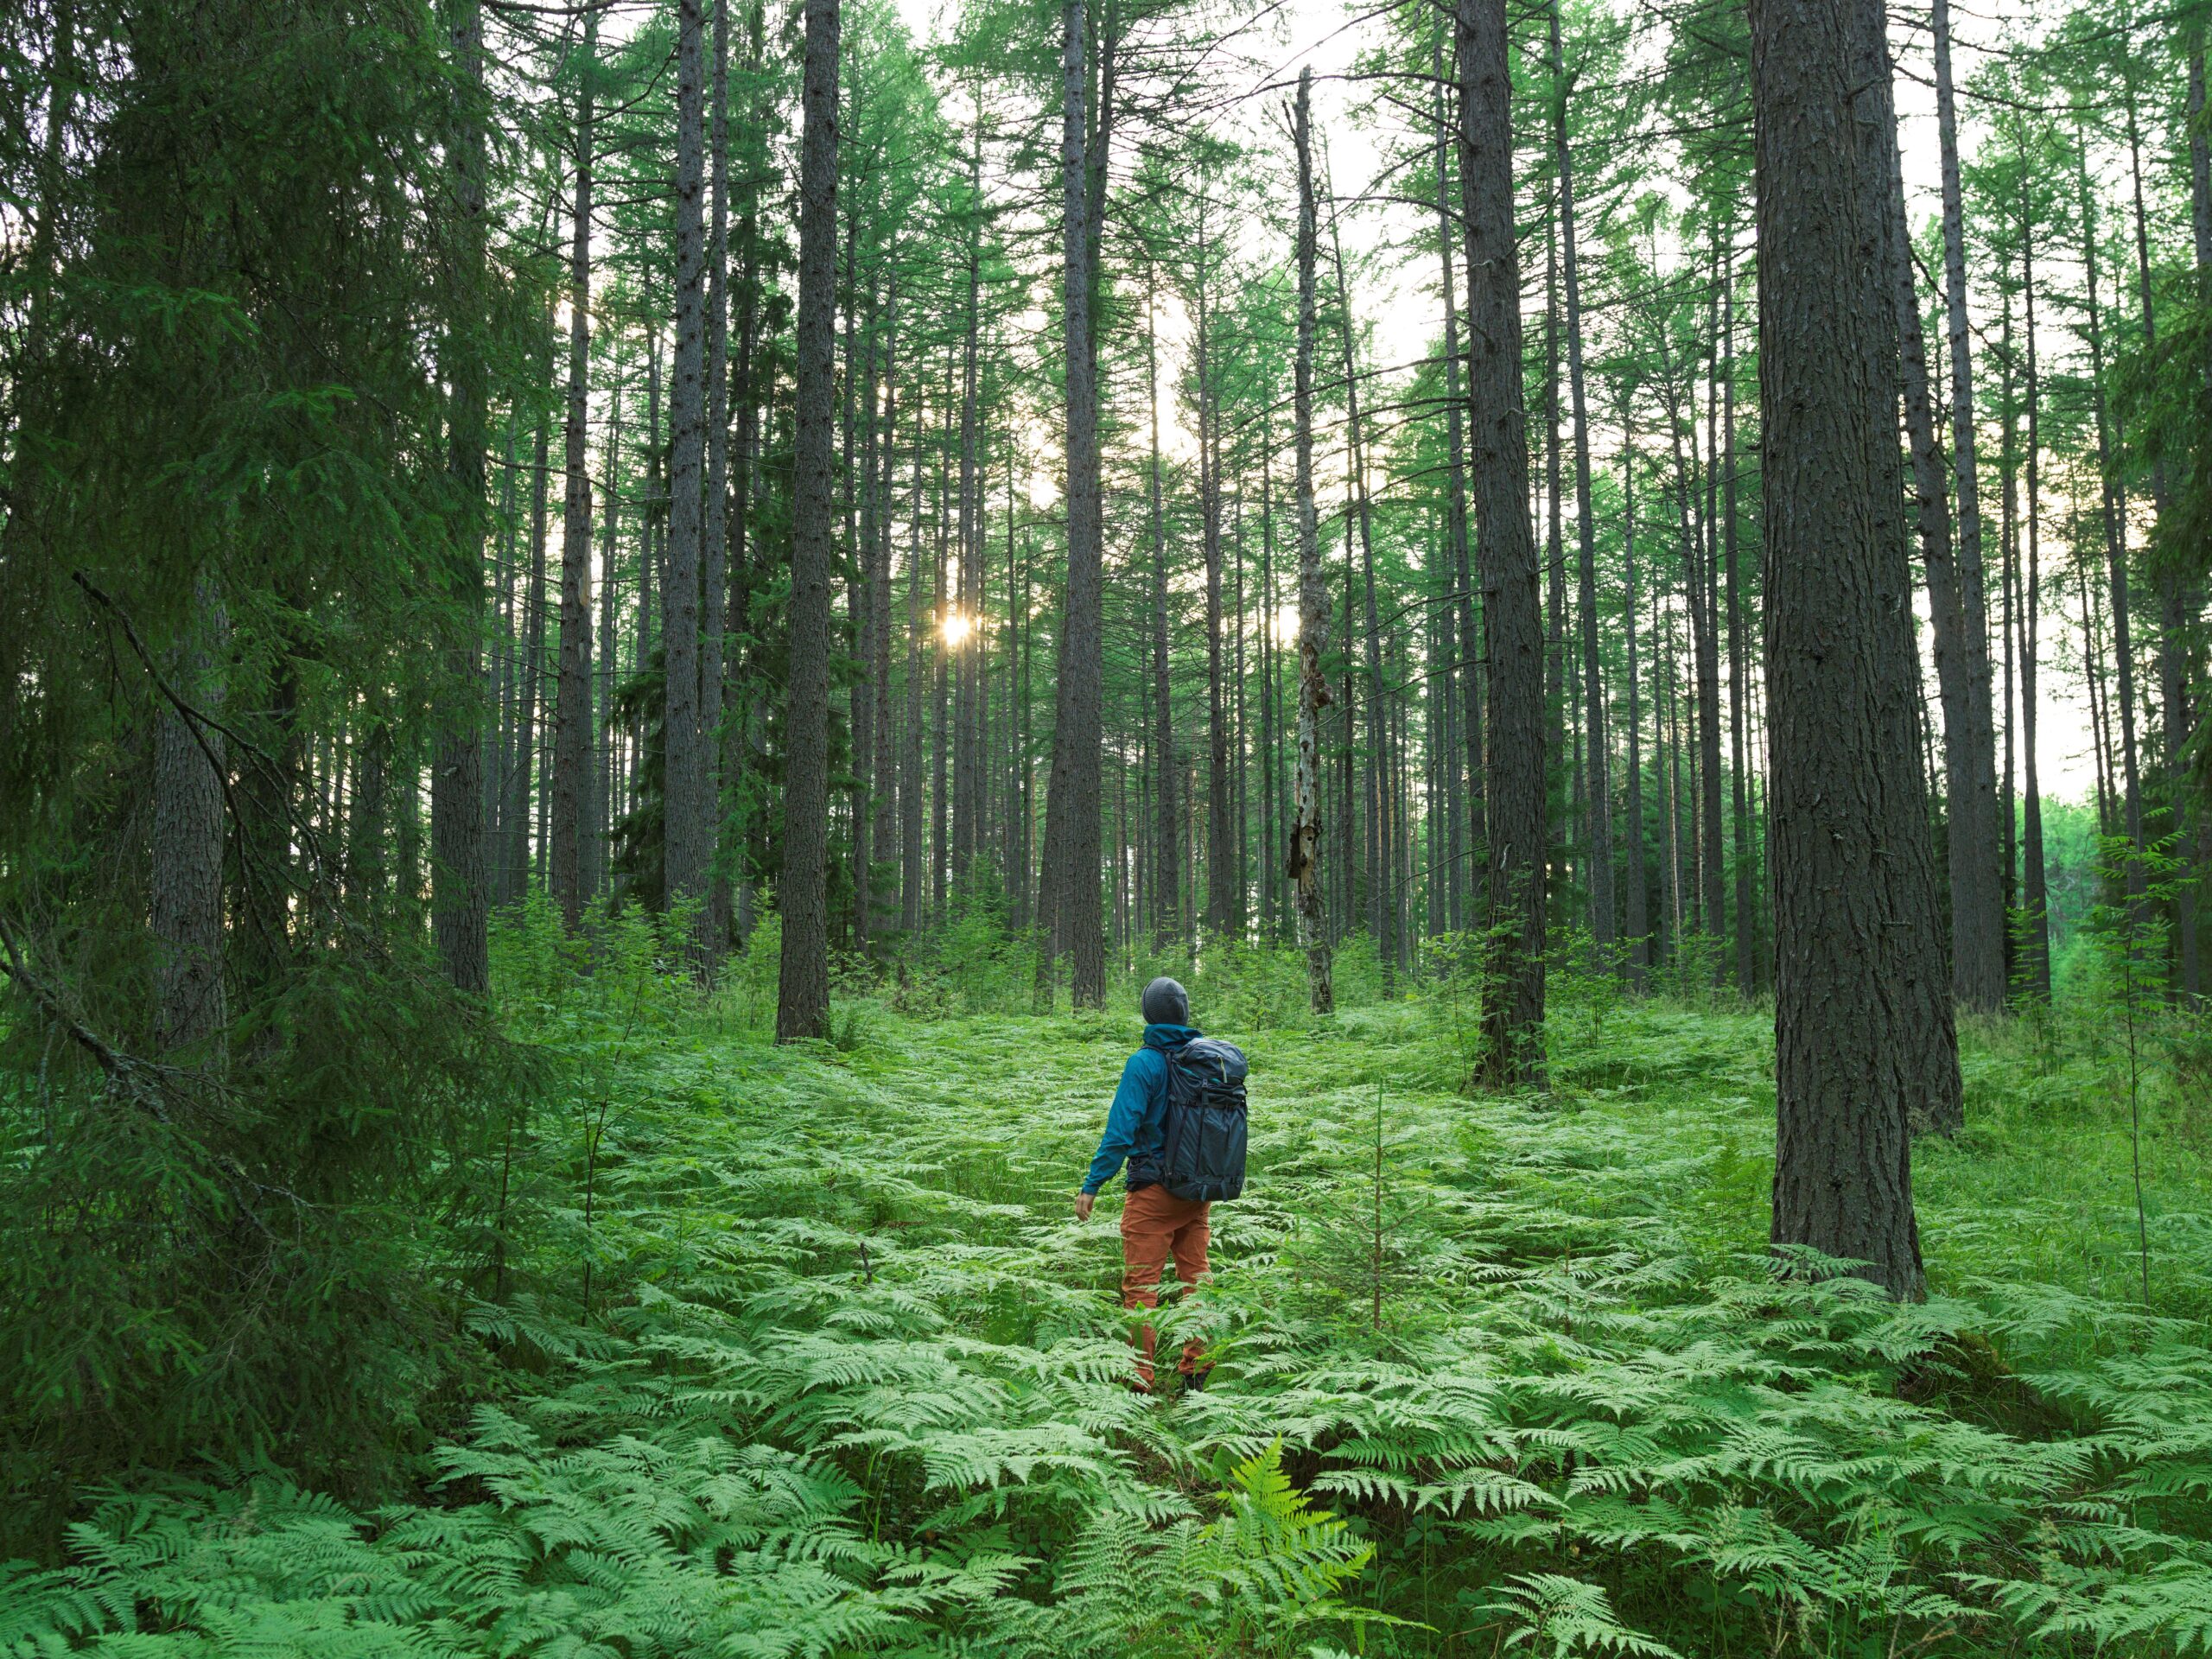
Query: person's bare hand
column 1083, row 1203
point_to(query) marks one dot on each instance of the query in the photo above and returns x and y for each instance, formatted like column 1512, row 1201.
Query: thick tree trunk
column 1303, row 863
column 1072, row 806
column 687, row 852
column 1598, row 839
column 572, row 721
column 1513, row 1012
column 803, row 991
column 1970, row 757
column 461, row 911
column 1863, row 1035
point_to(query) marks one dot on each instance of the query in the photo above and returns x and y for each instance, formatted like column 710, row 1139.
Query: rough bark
column 1513, row 1011
column 1072, row 829
column 1303, row 863
column 714, row 535
column 1636, row 903
column 1863, row 1033
column 803, row 991
column 687, row 852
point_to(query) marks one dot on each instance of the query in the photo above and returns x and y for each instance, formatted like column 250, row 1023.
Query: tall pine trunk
column 1303, row 863
column 1864, row 1042
column 1513, row 1012
column 460, row 910
column 1072, row 829
column 713, row 561
column 1636, row 903
column 2035, row 923
column 803, row 990
column 687, row 848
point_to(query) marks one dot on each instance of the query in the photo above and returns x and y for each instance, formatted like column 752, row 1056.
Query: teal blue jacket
column 1136, row 1124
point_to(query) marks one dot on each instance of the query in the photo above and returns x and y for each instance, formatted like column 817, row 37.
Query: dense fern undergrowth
column 799, row 1351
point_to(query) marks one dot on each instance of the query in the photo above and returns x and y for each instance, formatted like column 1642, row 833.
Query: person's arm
column 1130, row 1099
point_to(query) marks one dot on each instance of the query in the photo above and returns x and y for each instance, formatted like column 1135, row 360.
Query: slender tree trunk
column 1459, row 677
column 688, row 853
column 531, row 672
column 913, row 881
column 2009, row 577
column 186, row 883
column 1705, row 628
column 1303, row 864
column 599, row 818
column 1221, row 861
column 1969, row 749
column 1638, row 920
column 1072, row 806
column 460, row 911
column 1969, row 836
column 1865, row 1046
column 1166, row 905
column 868, row 598
column 2174, row 717
column 2035, row 925
column 1598, row 839
column 966, row 762
column 803, row 992
column 1513, row 1013
column 883, row 836
column 572, row 721
column 1738, row 679
column 2115, row 551
column 714, row 563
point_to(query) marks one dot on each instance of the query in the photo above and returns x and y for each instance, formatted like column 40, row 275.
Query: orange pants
column 1155, row 1225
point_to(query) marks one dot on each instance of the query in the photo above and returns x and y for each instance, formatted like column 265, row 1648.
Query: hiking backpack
column 1204, row 1159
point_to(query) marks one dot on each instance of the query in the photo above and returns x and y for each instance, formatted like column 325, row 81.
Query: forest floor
column 809, row 1356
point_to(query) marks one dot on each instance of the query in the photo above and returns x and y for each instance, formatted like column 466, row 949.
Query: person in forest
column 1154, row 1222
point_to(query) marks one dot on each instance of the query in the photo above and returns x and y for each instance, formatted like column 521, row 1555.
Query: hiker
column 1204, row 1080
